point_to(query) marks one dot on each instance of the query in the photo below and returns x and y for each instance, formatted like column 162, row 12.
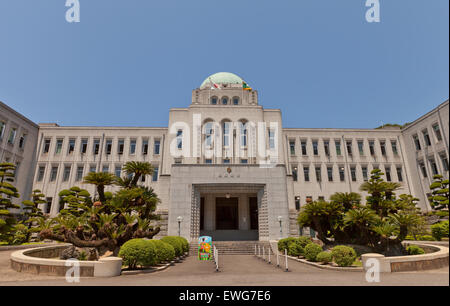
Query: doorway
column 227, row 214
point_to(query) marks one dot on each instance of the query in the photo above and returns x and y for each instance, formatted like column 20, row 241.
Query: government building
column 225, row 166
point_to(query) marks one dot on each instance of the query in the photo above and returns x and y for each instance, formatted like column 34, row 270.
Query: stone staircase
column 233, row 247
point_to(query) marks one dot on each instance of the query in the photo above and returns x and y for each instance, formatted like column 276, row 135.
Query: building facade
column 226, row 167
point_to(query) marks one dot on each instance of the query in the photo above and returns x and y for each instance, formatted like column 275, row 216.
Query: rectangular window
column 47, row 145
column 118, row 170
column 80, row 170
column 394, row 147
column 244, row 161
column 48, row 207
column 92, row 168
column 306, row 173
column 156, row 147
column 66, row 173
column 383, row 148
column 108, row 146
column 271, row 138
column 292, row 147
column 338, row 147
column 59, row 144
column 294, row 174
column 155, row 174
column 426, row 136
column 84, row 144
column 399, row 174
column 437, row 132
column 372, row 147
column 434, row 167
column 226, row 134
column 145, row 146
column 41, row 172
column 180, row 139
column 342, row 174
column 120, row 146
column 22, row 141
column 133, row 146
column 326, row 147
column 304, row 152
column 71, row 147
column 417, row 142
column 387, row 170
column 423, row 169
column 349, row 147
column 105, row 169
column 53, row 173
column 361, row 147
column 318, row 174
column 365, row 173
column 226, row 161
column 208, row 161
column 315, row 147
column 330, row 174
column 96, row 146
column 353, row 173
column 2, row 129
column 444, row 161
column 12, row 135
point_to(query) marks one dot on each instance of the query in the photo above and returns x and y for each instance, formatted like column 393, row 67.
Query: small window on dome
column 214, row 100
column 224, row 100
column 235, row 101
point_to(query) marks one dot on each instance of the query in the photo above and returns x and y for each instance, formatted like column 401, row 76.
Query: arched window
column 224, row 100
column 208, row 133
column 236, row 101
column 243, row 129
column 213, row 100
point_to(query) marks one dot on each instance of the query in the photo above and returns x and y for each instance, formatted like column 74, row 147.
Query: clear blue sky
column 128, row 61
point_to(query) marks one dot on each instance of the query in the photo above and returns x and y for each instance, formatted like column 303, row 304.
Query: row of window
column 342, row 173
column 12, row 135
column 426, row 137
column 80, row 170
column 433, row 165
column 108, row 147
column 224, row 100
column 338, row 147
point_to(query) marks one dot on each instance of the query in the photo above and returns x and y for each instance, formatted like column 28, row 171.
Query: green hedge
column 138, row 252
column 312, row 250
column 164, row 251
column 283, row 244
column 179, row 244
column 415, row 250
column 343, row 255
column 439, row 230
column 324, row 257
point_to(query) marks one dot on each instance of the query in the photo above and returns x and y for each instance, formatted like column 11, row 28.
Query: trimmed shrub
column 303, row 241
column 324, row 257
column 343, row 255
column 138, row 252
column 283, row 244
column 164, row 251
column 414, row 250
column 185, row 244
column 176, row 242
column 294, row 249
column 439, row 230
column 312, row 250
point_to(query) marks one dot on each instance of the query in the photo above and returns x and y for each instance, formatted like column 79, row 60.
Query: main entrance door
column 227, row 217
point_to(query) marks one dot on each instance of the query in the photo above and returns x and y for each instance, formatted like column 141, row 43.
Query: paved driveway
column 237, row 270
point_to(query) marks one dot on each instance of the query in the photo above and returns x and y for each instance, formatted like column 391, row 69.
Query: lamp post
column 280, row 219
column 179, row 219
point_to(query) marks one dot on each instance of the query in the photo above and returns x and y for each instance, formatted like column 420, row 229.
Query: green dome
column 222, row 78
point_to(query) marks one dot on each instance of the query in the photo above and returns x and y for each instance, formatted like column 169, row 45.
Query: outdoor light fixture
column 280, row 219
column 179, row 219
column 227, row 195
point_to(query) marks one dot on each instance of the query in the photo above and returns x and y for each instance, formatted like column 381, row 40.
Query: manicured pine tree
column 439, row 193
column 7, row 193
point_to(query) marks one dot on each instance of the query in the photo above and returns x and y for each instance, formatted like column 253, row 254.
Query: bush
column 176, row 242
column 439, row 230
column 185, row 244
column 136, row 252
column 343, row 256
column 324, row 257
column 294, row 249
column 283, row 244
column 303, row 241
column 164, row 251
column 312, row 250
column 415, row 250
column 425, row 238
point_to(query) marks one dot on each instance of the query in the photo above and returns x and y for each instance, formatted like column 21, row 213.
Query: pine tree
column 7, row 193
column 439, row 193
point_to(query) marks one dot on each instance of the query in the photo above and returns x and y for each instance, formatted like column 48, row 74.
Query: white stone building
column 228, row 168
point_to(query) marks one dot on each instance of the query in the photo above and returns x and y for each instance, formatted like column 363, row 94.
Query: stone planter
column 43, row 260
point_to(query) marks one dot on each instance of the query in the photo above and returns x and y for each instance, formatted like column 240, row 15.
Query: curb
column 327, row 267
column 154, row 269
column 27, row 246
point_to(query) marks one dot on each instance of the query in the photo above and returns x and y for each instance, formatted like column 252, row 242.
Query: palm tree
column 137, row 169
column 349, row 200
column 404, row 222
column 100, row 179
column 363, row 219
